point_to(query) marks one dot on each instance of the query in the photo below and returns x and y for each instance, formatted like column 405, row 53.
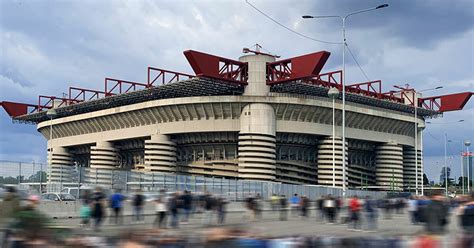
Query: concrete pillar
column 325, row 162
column 160, row 154
column 409, row 173
column 257, row 74
column 104, row 159
column 60, row 166
column 257, row 142
column 389, row 166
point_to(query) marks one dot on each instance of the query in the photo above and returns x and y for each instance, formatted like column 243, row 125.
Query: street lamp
column 415, row 103
column 333, row 93
column 445, row 163
column 467, row 143
column 51, row 114
column 344, row 44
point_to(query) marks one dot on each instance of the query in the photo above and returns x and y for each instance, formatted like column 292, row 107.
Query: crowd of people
column 173, row 209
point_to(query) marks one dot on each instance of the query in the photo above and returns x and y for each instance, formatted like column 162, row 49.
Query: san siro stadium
column 258, row 118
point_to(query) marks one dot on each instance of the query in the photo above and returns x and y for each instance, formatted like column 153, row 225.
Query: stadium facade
column 257, row 118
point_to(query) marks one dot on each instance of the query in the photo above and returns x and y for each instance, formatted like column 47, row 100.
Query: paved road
column 269, row 225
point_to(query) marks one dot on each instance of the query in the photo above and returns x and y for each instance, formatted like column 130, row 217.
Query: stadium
column 255, row 118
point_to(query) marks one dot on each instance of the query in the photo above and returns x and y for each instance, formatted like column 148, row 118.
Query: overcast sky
column 47, row 46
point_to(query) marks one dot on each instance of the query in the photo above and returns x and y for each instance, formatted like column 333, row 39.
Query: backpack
column 85, row 212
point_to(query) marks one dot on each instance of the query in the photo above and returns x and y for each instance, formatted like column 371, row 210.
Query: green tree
column 35, row 178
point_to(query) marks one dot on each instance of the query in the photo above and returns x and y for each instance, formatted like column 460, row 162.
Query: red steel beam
column 15, row 109
column 118, row 86
column 207, row 65
column 80, row 94
column 371, row 88
column 297, row 68
column 51, row 101
column 445, row 103
column 157, row 75
column 331, row 79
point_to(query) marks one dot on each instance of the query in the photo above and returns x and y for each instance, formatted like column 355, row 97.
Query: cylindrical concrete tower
column 325, row 162
column 160, row 154
column 257, row 142
column 102, row 163
column 409, row 173
column 61, row 165
column 257, row 136
column 389, row 166
column 257, row 74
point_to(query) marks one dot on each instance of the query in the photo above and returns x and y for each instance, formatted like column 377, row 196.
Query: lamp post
column 51, row 114
column 344, row 44
column 416, row 105
column 467, row 143
column 333, row 93
column 445, row 163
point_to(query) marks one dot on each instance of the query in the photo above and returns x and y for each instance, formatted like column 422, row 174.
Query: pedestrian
column 330, row 209
column 221, row 210
column 85, row 214
column 283, row 208
column 98, row 211
column 138, row 202
column 187, row 202
column 258, row 206
column 413, row 210
column 354, row 206
column 274, row 202
column 304, row 205
column 9, row 205
column 208, row 209
column 250, row 205
column 173, row 205
column 294, row 204
column 160, row 209
column 320, row 209
column 116, row 205
column 370, row 213
column 436, row 215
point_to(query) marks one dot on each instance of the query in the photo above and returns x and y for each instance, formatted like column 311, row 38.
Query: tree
column 35, row 178
column 425, row 180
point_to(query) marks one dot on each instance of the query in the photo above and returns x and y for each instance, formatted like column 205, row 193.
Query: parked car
column 57, row 197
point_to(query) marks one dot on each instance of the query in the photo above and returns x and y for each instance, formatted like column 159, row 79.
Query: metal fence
column 33, row 178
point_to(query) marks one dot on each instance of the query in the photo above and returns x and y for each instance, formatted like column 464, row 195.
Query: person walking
column 138, row 202
column 304, row 205
column 436, row 215
column 187, row 203
column 283, row 208
column 370, row 214
column 160, row 209
column 329, row 206
column 209, row 205
column 354, row 206
column 116, row 205
column 294, row 204
column 413, row 209
column 221, row 210
column 98, row 210
column 173, row 205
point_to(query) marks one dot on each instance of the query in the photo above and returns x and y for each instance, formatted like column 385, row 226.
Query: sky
column 47, row 46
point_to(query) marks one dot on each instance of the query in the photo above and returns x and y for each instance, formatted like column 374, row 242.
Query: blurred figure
column 250, row 205
column 160, row 209
column 319, row 207
column 208, row 209
column 412, row 210
column 85, row 213
column 9, row 206
column 116, row 205
column 274, row 202
column 221, row 210
column 370, row 213
column 283, row 208
column 294, row 204
column 304, row 205
column 173, row 205
column 187, row 203
column 98, row 207
column 138, row 201
column 258, row 206
column 436, row 215
column 354, row 206
column 29, row 222
column 329, row 206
